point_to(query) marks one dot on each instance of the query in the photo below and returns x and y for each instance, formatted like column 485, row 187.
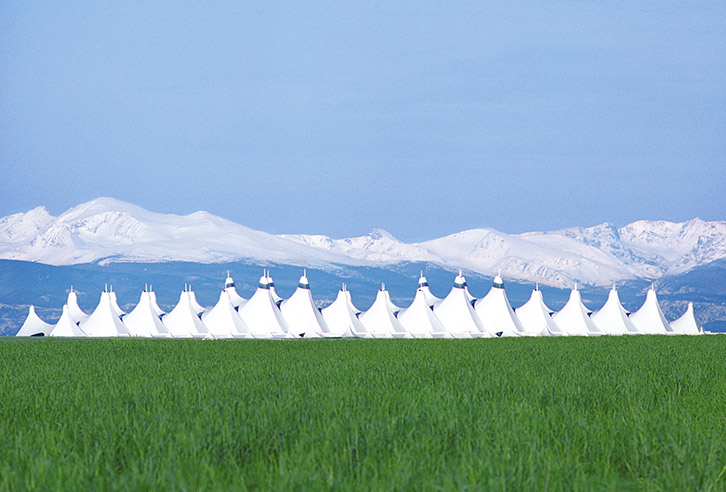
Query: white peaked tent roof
column 687, row 324
column 234, row 297
column 457, row 314
column 114, row 303
column 66, row 327
column 350, row 300
column 420, row 321
column 535, row 317
column 649, row 318
column 262, row 315
column 423, row 284
column 574, row 319
column 104, row 322
column 341, row 318
column 394, row 309
column 496, row 314
column 154, row 305
column 612, row 318
column 469, row 297
column 301, row 313
column 183, row 321
column 380, row 320
column 74, row 310
column 198, row 308
column 273, row 291
column 33, row 325
column 144, row 321
column 223, row 321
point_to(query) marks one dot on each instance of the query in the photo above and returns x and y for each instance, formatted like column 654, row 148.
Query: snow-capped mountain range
column 107, row 230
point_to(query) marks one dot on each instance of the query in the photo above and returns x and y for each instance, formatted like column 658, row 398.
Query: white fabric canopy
column 104, row 322
column 380, row 320
column 223, row 321
column 341, row 318
column 687, row 324
column 649, row 318
column 301, row 314
column 75, row 312
column 143, row 320
column 574, row 319
column 496, row 314
column 535, row 317
column 419, row 319
column 183, row 321
column 457, row 314
column 262, row 316
column 66, row 327
column 33, row 325
column 612, row 318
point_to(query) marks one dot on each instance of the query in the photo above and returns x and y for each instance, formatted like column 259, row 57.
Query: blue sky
column 420, row 118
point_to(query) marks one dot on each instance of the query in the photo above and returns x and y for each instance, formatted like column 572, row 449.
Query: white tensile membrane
column 380, row 319
column 198, row 308
column 223, row 321
column 143, row 320
column 74, row 310
column 66, row 327
column 302, row 316
column 574, row 318
column 419, row 319
column 649, row 318
column 457, row 314
column 33, row 325
column 536, row 317
column 273, row 291
column 183, row 321
column 114, row 303
column 423, row 284
column 612, row 318
column 234, row 297
column 341, row 318
column 496, row 314
column 687, row 324
column 154, row 305
column 104, row 322
column 262, row 316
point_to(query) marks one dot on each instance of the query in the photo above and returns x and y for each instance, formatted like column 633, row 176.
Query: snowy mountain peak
column 107, row 229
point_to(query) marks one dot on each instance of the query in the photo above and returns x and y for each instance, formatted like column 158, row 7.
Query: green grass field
column 610, row 413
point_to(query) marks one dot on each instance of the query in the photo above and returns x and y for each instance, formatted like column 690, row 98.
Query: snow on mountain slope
column 378, row 246
column 558, row 261
column 107, row 230
column 110, row 230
